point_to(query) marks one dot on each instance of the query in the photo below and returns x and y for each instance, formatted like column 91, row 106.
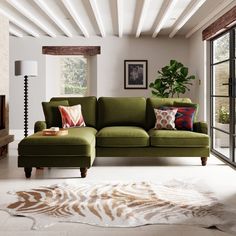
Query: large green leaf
column 184, row 71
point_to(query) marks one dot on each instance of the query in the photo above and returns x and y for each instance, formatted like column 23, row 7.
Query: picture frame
column 135, row 74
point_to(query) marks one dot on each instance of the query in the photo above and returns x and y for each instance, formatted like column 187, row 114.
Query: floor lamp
column 26, row 69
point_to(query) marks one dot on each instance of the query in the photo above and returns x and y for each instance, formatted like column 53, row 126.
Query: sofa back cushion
column 52, row 113
column 156, row 103
column 89, row 107
column 121, row 111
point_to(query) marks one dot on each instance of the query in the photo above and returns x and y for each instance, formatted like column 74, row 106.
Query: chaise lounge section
column 115, row 127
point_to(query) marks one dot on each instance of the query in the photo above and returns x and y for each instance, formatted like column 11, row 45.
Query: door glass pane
column 221, row 142
column 221, row 113
column 221, row 79
column 221, row 48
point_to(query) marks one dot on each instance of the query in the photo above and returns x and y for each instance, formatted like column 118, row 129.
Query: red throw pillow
column 165, row 119
column 71, row 116
column 184, row 118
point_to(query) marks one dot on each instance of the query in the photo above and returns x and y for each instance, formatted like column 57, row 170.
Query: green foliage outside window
column 223, row 115
column 74, row 76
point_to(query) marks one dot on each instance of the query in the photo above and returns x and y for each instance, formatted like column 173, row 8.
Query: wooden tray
column 61, row 132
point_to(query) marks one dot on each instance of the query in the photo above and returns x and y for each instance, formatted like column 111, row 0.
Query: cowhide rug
column 122, row 205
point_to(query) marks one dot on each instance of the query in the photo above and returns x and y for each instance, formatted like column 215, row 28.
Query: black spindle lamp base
column 26, row 105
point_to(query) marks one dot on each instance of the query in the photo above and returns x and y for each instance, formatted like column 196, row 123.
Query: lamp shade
column 26, row 68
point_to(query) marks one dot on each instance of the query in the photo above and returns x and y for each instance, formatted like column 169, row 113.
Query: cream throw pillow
column 165, row 119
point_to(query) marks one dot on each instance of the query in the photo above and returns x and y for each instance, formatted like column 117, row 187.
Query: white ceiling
column 109, row 17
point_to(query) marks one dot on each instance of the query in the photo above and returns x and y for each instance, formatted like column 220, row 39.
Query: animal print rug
column 122, row 205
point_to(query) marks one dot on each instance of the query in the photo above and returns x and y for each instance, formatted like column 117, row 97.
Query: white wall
column 53, row 76
column 196, row 61
column 107, row 78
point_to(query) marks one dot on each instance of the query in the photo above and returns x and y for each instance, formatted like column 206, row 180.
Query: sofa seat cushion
column 122, row 136
column 78, row 142
column 177, row 138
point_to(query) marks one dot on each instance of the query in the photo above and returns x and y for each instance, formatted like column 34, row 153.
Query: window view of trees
column 221, row 48
column 74, row 76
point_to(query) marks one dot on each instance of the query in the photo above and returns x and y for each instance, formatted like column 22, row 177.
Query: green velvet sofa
column 115, row 127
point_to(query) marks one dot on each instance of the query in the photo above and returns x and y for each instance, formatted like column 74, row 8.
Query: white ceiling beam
column 45, row 7
column 119, row 4
column 188, row 13
column 15, row 31
column 94, row 6
column 27, row 13
column 211, row 15
column 165, row 14
column 71, row 9
column 142, row 17
column 17, row 21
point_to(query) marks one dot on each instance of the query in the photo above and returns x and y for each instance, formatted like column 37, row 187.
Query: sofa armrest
column 39, row 126
column 200, row 127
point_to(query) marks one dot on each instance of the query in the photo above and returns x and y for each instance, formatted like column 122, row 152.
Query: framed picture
column 136, row 74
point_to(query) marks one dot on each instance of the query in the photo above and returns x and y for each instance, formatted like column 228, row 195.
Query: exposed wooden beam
column 72, row 50
column 69, row 6
column 29, row 14
column 94, row 6
column 188, row 13
column 44, row 6
column 142, row 17
column 15, row 31
column 210, row 16
column 119, row 4
column 164, row 15
column 220, row 25
column 18, row 21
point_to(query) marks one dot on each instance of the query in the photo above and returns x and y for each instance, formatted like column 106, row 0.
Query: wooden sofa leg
column 28, row 171
column 204, row 161
column 83, row 171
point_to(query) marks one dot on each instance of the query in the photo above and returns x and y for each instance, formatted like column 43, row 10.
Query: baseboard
column 19, row 133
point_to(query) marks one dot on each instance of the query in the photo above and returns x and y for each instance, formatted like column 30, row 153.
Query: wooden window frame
column 220, row 25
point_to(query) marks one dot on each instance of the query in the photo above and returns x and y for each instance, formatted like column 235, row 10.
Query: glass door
column 223, row 87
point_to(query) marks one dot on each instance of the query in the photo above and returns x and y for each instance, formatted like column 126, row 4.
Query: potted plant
column 223, row 124
column 172, row 79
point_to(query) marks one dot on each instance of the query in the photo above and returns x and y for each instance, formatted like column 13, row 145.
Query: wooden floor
column 216, row 175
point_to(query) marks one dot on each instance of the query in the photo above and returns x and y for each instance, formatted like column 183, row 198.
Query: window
column 74, row 75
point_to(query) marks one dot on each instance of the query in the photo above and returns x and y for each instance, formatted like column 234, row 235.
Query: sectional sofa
column 115, row 127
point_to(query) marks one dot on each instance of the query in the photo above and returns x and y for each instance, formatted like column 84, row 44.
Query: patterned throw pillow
column 165, row 119
column 71, row 116
column 184, row 118
column 184, row 104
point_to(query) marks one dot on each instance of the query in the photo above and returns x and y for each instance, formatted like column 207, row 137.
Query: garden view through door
column 223, row 95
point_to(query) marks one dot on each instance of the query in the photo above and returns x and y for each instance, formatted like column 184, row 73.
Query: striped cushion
column 71, row 116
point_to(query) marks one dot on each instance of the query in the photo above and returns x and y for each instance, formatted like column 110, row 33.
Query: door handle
column 230, row 86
